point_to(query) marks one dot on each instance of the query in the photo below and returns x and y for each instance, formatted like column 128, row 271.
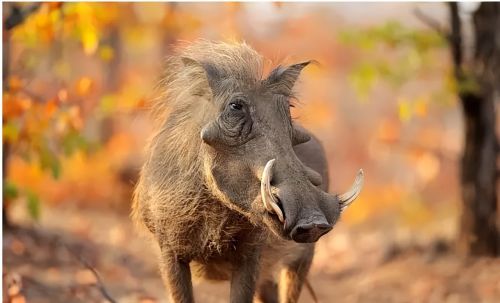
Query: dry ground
column 53, row 262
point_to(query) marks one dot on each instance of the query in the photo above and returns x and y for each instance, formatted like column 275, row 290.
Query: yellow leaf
column 404, row 109
column 106, row 53
column 10, row 132
column 90, row 41
column 42, row 19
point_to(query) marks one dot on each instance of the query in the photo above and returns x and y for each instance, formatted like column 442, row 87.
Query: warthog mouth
column 276, row 210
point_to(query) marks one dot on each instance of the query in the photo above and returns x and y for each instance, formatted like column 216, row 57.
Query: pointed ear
column 283, row 79
column 199, row 75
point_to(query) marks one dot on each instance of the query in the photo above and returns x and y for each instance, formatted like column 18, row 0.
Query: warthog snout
column 310, row 232
column 305, row 211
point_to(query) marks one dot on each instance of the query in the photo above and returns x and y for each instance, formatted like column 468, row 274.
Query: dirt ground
column 86, row 256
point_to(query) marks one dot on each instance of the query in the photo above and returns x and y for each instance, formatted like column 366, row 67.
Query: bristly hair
column 172, row 191
column 220, row 61
column 172, row 181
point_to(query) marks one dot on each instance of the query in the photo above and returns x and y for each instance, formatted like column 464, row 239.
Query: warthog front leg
column 176, row 275
column 268, row 292
column 293, row 275
column 244, row 278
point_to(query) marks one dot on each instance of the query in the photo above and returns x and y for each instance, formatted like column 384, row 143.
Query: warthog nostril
column 307, row 233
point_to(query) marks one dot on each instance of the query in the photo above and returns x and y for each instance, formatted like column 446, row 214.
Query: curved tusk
column 265, row 184
column 268, row 197
column 348, row 197
column 278, row 212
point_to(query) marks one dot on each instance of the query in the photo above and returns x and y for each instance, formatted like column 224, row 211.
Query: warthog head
column 247, row 138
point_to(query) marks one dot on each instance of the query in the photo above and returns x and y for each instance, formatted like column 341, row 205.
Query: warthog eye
column 236, row 106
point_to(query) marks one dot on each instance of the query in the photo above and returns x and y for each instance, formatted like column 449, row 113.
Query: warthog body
column 232, row 189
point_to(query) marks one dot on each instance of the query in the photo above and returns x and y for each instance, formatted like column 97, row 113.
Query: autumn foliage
column 78, row 78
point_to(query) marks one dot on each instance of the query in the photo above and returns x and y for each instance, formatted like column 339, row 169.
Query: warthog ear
column 199, row 72
column 282, row 79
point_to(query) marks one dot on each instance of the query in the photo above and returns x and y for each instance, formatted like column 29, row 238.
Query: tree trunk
column 480, row 232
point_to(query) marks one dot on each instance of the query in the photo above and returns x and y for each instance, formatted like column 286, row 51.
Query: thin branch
column 99, row 283
column 18, row 15
column 456, row 39
column 431, row 23
column 59, row 240
column 309, row 287
column 453, row 36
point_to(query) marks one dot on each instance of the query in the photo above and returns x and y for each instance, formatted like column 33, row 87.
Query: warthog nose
column 311, row 232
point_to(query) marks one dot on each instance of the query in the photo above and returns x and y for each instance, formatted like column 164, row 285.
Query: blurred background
column 399, row 92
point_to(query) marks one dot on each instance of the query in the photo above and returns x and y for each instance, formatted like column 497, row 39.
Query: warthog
column 232, row 189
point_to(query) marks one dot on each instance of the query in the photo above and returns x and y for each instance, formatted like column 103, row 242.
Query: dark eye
column 235, row 106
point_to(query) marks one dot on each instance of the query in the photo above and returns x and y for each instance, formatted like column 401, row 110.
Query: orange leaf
column 14, row 106
column 420, row 107
column 18, row 299
column 389, row 131
column 141, row 103
column 54, row 5
column 15, row 84
column 84, row 85
column 50, row 108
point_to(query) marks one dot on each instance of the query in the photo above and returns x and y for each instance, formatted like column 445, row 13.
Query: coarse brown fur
column 172, row 190
column 196, row 225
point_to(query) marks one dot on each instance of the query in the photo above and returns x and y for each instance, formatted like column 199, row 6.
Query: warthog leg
column 176, row 275
column 293, row 275
column 244, row 277
column 268, row 292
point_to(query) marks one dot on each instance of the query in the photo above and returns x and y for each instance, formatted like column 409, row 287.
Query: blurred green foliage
column 412, row 55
